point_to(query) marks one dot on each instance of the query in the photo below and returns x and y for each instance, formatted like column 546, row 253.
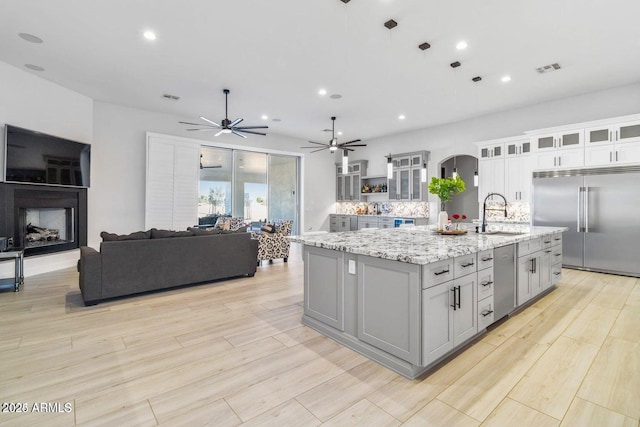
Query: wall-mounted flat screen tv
column 38, row 158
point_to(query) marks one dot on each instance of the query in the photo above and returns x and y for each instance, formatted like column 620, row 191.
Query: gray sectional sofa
column 160, row 259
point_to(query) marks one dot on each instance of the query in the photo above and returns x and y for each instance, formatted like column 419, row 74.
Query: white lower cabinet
column 528, row 277
column 449, row 316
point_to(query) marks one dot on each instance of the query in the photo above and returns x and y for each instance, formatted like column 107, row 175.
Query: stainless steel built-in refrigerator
column 601, row 208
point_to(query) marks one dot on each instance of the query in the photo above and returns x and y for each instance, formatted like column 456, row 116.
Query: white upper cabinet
column 612, row 144
column 491, row 170
column 558, row 140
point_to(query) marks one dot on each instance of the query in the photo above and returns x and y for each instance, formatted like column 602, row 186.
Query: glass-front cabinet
column 406, row 183
column 348, row 185
column 559, row 140
column 612, row 144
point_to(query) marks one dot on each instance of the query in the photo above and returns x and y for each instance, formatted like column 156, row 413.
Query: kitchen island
column 408, row 298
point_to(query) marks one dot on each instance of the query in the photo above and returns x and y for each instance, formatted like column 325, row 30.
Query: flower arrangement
column 457, row 217
column 446, row 188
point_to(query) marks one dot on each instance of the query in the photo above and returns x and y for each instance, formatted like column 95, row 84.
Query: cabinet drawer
column 529, row 247
column 485, row 313
column 556, row 255
column 557, row 239
column 437, row 272
column 547, row 241
column 485, row 283
column 485, row 259
column 464, row 265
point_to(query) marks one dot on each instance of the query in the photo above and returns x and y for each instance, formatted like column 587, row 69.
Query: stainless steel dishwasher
column 504, row 280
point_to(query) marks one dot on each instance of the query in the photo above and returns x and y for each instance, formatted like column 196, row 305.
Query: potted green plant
column 445, row 189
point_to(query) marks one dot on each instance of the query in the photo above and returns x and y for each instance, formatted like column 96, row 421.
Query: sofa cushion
column 163, row 234
column 138, row 235
column 204, row 231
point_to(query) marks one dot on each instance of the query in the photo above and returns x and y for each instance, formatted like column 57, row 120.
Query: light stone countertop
column 419, row 244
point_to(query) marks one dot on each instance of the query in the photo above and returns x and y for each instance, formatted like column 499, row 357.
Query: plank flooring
column 235, row 353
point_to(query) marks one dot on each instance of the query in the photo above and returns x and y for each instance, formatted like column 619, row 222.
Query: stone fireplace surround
column 15, row 198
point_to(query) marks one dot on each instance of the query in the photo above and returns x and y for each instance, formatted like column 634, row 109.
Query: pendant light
column 389, row 167
column 455, row 169
column 475, row 175
column 345, row 162
column 423, row 172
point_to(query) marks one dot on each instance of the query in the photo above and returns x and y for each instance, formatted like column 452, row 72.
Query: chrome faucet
column 484, row 209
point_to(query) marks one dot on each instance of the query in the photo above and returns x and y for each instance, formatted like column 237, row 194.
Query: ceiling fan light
column 333, row 148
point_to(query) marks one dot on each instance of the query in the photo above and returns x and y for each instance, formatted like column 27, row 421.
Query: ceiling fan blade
column 219, row 133
column 351, row 142
column 193, row 124
column 237, row 133
column 211, row 167
column 354, row 145
column 235, row 122
column 249, row 131
column 319, row 149
column 240, row 128
column 316, row 148
column 209, row 121
column 319, row 143
column 203, row 129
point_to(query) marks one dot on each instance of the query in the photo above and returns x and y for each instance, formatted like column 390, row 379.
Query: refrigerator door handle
column 586, row 209
column 579, row 227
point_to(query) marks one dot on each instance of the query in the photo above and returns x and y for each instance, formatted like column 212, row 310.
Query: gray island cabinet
column 408, row 298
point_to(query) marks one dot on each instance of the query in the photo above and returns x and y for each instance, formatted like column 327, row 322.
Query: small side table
column 17, row 255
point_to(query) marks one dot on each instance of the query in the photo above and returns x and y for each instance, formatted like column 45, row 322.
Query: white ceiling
column 275, row 55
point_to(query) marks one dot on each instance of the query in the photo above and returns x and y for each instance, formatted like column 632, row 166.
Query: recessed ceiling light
column 265, row 117
column 30, row 38
column 339, row 132
column 506, row 79
column 34, row 67
column 322, row 92
column 149, row 35
column 461, row 45
column 401, row 117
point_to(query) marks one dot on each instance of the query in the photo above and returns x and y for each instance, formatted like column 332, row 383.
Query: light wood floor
column 235, row 352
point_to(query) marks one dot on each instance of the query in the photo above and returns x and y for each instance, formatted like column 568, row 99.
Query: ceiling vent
column 476, row 79
column 455, row 64
column 424, row 46
column 548, row 68
column 171, row 97
column 391, row 24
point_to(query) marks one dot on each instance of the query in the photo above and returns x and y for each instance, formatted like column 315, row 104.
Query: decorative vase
column 443, row 219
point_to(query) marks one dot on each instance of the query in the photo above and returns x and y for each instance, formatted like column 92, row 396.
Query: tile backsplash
column 410, row 209
column 516, row 212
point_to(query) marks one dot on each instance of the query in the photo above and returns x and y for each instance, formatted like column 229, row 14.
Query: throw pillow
column 268, row 228
column 223, row 223
column 205, row 231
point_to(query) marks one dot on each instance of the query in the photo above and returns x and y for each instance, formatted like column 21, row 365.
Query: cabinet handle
column 466, row 265
column 547, row 251
column 557, row 238
column 487, row 259
column 458, row 295
column 441, row 272
column 485, row 313
column 533, row 268
column 616, row 134
column 559, row 161
column 547, row 241
column 487, row 283
column 616, row 154
column 554, row 161
column 557, row 273
column 609, row 136
column 557, row 254
column 454, row 298
column 610, row 156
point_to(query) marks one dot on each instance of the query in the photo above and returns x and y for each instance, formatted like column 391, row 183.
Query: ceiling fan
column 333, row 144
column 227, row 125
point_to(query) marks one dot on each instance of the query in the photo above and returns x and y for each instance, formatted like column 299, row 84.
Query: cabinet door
column 437, row 322
column 545, row 269
column 392, row 186
column 404, row 184
column 571, row 158
column 544, row 142
column 416, row 184
column 355, row 187
column 347, row 187
column 546, row 160
column 627, row 153
column 491, row 175
column 389, row 307
column 571, row 139
column 628, row 132
column 598, row 136
column 340, row 187
column 528, row 278
column 465, row 315
column 598, row 155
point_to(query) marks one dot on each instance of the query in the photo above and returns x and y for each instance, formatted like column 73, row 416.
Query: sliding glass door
column 249, row 184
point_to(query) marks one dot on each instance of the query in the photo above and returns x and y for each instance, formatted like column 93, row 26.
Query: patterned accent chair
column 275, row 245
column 230, row 223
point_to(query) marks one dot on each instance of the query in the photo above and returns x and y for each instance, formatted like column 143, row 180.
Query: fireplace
column 44, row 219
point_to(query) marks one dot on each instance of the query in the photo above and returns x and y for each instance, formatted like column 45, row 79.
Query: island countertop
column 418, row 245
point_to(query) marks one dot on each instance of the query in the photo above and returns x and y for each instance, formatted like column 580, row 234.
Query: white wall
column 457, row 138
column 33, row 103
column 116, row 196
